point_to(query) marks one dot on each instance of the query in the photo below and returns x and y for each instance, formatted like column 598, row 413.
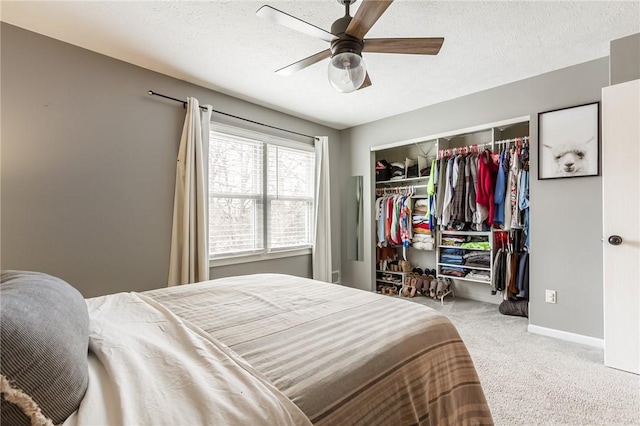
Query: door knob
column 615, row 240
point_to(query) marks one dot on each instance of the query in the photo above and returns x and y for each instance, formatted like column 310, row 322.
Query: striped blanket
column 343, row 356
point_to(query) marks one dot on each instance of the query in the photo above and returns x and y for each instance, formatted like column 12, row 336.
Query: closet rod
column 402, row 187
column 184, row 104
column 523, row 139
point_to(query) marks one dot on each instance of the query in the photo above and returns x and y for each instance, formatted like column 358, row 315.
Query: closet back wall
column 89, row 161
column 566, row 214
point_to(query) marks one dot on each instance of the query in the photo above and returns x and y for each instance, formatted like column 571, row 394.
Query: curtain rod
column 184, row 104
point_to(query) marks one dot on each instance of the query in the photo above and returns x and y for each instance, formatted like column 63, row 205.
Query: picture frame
column 569, row 142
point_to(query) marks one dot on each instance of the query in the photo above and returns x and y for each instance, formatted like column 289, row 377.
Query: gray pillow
column 44, row 331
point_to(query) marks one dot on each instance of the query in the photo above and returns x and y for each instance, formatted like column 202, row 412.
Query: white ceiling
column 223, row 45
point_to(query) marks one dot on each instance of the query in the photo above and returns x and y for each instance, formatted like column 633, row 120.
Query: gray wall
column 566, row 214
column 88, row 166
column 625, row 59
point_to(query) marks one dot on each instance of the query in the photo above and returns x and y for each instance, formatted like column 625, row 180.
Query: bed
column 273, row 349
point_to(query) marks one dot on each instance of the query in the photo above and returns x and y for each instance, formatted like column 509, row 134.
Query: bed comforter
column 148, row 367
column 343, row 356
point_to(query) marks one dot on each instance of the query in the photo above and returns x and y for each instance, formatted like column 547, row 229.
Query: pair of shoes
column 407, row 280
column 408, row 291
column 416, row 282
column 433, row 272
column 433, row 285
column 422, row 283
column 447, row 285
column 404, row 265
column 390, row 290
column 443, row 287
column 440, row 288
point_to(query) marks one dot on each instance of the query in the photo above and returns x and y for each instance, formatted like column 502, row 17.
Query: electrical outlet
column 550, row 296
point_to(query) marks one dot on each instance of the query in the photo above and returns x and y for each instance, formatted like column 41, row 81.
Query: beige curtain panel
column 189, row 262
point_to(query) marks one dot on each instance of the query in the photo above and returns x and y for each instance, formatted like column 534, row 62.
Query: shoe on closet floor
column 417, row 282
column 440, row 287
column 432, row 287
column 448, row 282
column 426, row 282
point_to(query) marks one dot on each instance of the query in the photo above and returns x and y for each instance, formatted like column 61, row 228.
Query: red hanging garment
column 487, row 173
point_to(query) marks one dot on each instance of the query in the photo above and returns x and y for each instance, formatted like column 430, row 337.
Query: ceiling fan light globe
column 347, row 72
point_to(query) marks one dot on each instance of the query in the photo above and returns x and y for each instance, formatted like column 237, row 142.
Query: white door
column 621, row 224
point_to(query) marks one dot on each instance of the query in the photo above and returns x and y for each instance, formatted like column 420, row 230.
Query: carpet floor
column 529, row 379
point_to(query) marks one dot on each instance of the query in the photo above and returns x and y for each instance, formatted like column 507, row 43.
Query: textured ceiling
column 224, row 46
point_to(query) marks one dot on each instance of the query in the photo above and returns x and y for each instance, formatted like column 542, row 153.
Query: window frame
column 266, row 253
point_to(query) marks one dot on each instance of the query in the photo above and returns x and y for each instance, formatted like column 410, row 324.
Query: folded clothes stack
column 397, row 170
column 479, row 275
column 383, row 170
column 422, row 241
column 479, row 259
column 420, row 225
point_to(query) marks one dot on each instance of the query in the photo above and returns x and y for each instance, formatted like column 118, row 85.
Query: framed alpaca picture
column 569, row 142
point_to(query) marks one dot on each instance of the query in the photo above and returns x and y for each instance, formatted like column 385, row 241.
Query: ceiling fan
column 347, row 71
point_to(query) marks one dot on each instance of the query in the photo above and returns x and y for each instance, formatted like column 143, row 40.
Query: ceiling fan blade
column 297, row 66
column 366, row 82
column 416, row 46
column 367, row 15
column 294, row 23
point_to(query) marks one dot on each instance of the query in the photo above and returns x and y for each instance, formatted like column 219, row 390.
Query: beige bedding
column 343, row 356
column 147, row 367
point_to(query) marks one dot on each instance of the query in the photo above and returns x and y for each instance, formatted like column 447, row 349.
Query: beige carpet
column 530, row 379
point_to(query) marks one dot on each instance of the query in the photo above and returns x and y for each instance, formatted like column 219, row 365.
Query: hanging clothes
column 471, row 179
column 381, row 215
column 487, row 171
column 506, row 225
column 393, row 213
column 458, row 201
column 448, row 192
column 442, row 183
column 500, row 191
column 523, row 203
column 514, row 172
column 523, row 276
column 431, row 191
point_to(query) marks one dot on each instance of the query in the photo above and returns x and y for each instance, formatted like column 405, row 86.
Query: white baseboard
column 565, row 335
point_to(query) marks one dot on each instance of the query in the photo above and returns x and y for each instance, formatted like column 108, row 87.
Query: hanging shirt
column 433, row 178
column 476, row 217
column 487, row 171
column 431, row 191
column 500, row 192
column 448, row 192
column 523, row 276
column 513, row 191
column 405, row 221
column 380, row 214
column 470, row 187
column 441, row 189
column 523, row 203
column 457, row 204
column 507, row 196
column 388, row 205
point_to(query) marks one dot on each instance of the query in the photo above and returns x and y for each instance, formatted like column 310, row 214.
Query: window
column 261, row 191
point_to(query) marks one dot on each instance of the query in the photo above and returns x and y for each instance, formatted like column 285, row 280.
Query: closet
column 404, row 241
column 460, row 211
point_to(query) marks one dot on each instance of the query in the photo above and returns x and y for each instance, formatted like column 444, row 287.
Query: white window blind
column 261, row 193
column 290, row 196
